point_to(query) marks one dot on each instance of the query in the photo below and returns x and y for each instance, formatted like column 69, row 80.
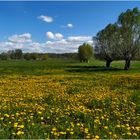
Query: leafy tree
column 18, row 54
column 11, row 54
column 34, row 56
column 129, row 35
column 44, row 56
column 3, row 56
column 105, row 43
column 26, row 56
column 85, row 52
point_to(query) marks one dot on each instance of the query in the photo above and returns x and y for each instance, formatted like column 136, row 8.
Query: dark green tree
column 105, row 44
column 85, row 52
column 4, row 56
column 26, row 56
column 18, row 54
column 129, row 35
column 34, row 56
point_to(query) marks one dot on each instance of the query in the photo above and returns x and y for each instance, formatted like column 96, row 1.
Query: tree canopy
column 85, row 52
column 120, row 40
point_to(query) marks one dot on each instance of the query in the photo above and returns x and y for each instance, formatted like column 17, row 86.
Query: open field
column 68, row 99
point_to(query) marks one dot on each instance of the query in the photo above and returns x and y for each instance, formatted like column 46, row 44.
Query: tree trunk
column 127, row 64
column 108, row 63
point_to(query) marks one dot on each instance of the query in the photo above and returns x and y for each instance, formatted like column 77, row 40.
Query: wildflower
column 15, row 124
column 54, row 129
column 97, row 137
column 128, row 133
column 41, row 118
column 86, row 130
column 110, row 133
column 20, row 133
column 118, row 126
column 1, row 118
column 71, row 132
column 6, row 115
column 63, row 133
column 105, row 127
column 21, row 126
column 134, row 134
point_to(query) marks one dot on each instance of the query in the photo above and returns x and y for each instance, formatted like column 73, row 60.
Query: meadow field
column 66, row 99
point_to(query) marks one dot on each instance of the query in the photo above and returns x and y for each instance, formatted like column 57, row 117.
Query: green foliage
column 4, row 56
column 33, row 56
column 85, row 52
column 106, row 43
column 18, row 54
column 15, row 54
column 120, row 40
column 26, row 56
column 43, row 57
column 129, row 32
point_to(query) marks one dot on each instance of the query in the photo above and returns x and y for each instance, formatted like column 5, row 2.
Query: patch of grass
column 59, row 66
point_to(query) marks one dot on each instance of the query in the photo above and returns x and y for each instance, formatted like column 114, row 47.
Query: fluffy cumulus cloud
column 69, row 44
column 46, row 18
column 56, row 36
column 50, row 35
column 20, row 38
column 56, row 43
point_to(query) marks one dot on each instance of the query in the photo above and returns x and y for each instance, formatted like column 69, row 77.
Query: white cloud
column 50, row 35
column 69, row 44
column 69, row 25
column 56, row 36
column 79, row 38
column 46, row 18
column 20, row 38
column 58, row 44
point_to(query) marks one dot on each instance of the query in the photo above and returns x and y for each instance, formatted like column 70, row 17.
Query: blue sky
column 57, row 26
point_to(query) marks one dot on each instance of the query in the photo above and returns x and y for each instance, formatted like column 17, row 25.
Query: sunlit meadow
column 64, row 104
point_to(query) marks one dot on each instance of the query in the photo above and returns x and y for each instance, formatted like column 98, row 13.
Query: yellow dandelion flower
column 54, row 129
column 110, row 133
column 63, row 133
column 6, row 115
column 71, row 132
column 20, row 133
column 86, row 130
column 134, row 134
column 97, row 137
column 15, row 124
column 105, row 127
column 129, row 133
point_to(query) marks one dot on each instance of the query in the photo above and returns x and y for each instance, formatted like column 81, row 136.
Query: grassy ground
column 68, row 99
column 59, row 66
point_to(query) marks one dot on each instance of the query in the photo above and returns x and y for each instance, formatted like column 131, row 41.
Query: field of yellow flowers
column 70, row 106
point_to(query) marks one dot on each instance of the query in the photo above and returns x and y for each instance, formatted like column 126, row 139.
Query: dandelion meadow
column 69, row 70
column 68, row 104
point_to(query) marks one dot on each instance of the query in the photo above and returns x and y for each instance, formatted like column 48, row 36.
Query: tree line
column 17, row 54
column 118, row 41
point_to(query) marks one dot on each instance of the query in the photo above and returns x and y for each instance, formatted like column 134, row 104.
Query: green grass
column 59, row 66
